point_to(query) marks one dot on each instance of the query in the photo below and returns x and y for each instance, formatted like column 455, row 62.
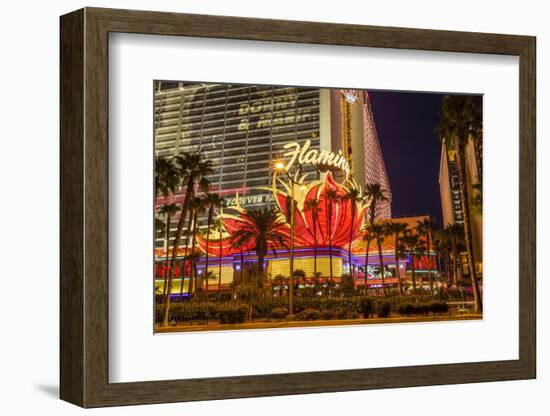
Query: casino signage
column 323, row 159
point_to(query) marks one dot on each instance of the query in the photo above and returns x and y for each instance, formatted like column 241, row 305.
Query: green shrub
column 438, row 307
column 341, row 313
column 405, row 308
column 366, row 306
column 159, row 312
column 327, row 315
column 233, row 314
column 384, row 310
column 279, row 313
column 308, row 315
column 353, row 315
column 421, row 308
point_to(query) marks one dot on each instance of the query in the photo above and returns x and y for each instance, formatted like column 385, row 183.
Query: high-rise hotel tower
column 243, row 129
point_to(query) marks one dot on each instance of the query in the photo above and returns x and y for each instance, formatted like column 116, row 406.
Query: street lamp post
column 281, row 167
column 292, row 215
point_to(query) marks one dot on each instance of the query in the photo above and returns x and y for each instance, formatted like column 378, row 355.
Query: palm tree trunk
column 260, row 266
column 381, row 258
column 448, row 267
column 367, row 266
column 166, row 268
column 193, row 244
column 220, row 264
column 413, row 271
column 429, row 260
column 467, row 226
column 399, row 287
column 330, row 243
column 175, row 245
column 210, row 215
column 351, row 240
column 314, row 244
column 187, row 236
column 242, row 264
column 454, row 262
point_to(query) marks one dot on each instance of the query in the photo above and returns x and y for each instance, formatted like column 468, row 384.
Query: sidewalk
column 333, row 322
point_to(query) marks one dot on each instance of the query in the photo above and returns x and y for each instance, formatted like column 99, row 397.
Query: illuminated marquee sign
column 251, row 199
column 320, row 158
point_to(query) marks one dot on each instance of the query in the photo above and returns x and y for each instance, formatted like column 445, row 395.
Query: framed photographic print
column 261, row 207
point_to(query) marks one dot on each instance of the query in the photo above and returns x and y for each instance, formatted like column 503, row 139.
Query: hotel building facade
column 451, row 202
column 243, row 129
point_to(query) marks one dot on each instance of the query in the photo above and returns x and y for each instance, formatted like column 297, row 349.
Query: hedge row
column 306, row 309
column 337, row 308
column 196, row 312
column 422, row 308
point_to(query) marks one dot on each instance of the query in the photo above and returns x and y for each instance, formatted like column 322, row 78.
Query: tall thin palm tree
column 410, row 242
column 419, row 252
column 461, row 122
column 331, row 197
column 167, row 178
column 186, row 262
column 313, row 205
column 368, row 237
column 192, row 171
column 212, row 202
column 218, row 226
column 168, row 210
column 380, row 232
column 425, row 227
column 397, row 229
column 354, row 196
column 167, row 181
column 438, row 246
column 456, row 238
column 199, row 204
column 374, row 193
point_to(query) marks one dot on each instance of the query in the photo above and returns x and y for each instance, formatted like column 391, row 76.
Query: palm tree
column 477, row 198
column 354, row 196
column 299, row 276
column 439, row 246
column 166, row 183
column 264, row 230
column 461, row 121
column 397, row 229
column 167, row 178
column 368, row 237
column 198, row 206
column 419, row 252
column 330, row 197
column 168, row 210
column 410, row 243
column 234, row 245
column 375, row 194
column 425, row 227
column 456, row 237
column 379, row 232
column 212, row 201
column 192, row 172
column 313, row 205
column 218, row 225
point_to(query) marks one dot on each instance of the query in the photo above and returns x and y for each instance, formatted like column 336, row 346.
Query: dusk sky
column 406, row 125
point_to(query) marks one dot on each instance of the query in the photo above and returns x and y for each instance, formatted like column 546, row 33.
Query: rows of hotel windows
column 213, row 119
column 241, row 128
